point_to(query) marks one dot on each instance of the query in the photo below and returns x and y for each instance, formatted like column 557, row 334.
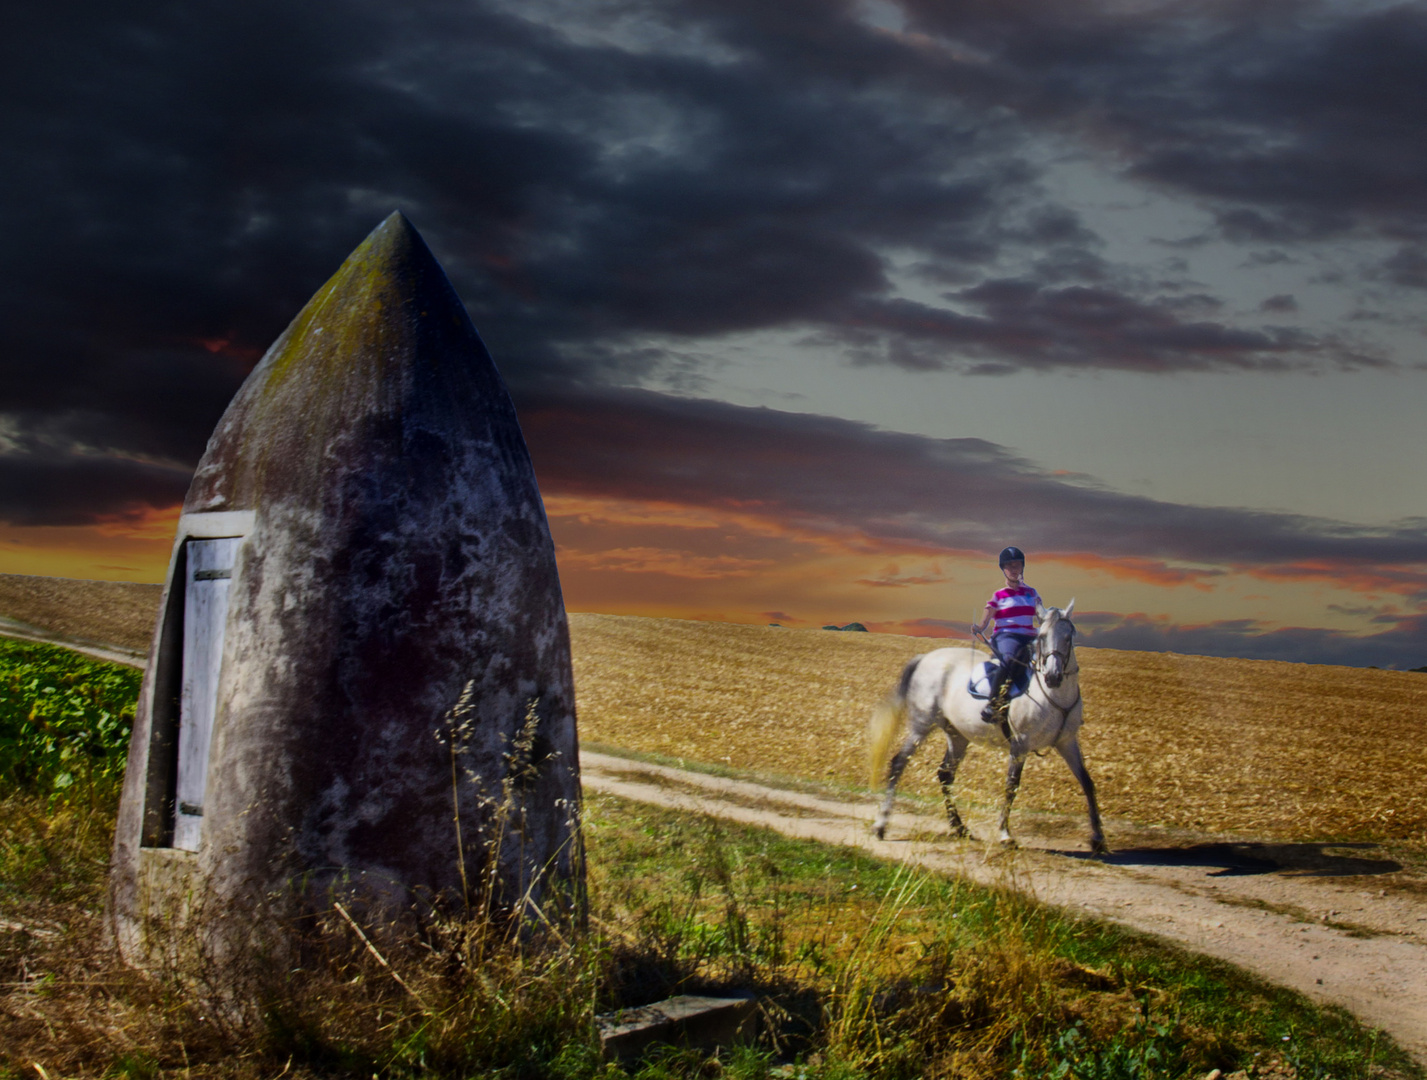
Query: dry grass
column 1275, row 750
column 864, row 969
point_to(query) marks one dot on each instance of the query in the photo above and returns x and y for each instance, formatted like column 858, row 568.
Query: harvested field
column 99, row 612
column 1249, row 747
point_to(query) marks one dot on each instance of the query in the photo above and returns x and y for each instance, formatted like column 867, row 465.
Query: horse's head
column 1055, row 643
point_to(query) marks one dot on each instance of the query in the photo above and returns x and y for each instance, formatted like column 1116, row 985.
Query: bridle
column 1065, row 670
column 1064, row 658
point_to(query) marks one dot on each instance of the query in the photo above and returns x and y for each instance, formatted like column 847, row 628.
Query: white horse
column 934, row 690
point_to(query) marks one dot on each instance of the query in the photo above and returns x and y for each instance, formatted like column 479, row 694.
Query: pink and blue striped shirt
column 1016, row 610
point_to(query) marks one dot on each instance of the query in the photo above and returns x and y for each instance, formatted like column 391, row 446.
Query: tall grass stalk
column 854, row 1030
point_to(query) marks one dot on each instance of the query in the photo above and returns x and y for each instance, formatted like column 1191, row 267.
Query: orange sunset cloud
column 134, row 549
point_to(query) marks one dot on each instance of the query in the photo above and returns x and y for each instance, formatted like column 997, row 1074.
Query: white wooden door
column 205, row 611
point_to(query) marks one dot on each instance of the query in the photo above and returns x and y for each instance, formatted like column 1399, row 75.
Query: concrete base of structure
column 153, row 934
column 703, row 1023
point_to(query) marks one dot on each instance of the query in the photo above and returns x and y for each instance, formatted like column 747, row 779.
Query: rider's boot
column 1002, row 717
column 996, row 704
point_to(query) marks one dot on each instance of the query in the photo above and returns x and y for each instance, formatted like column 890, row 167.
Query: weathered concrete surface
column 687, row 1020
column 395, row 552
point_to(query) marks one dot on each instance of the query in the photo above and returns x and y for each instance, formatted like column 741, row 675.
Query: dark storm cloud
column 1406, row 266
column 178, row 179
column 1022, row 324
column 40, row 488
column 191, row 175
column 1292, row 119
column 960, row 494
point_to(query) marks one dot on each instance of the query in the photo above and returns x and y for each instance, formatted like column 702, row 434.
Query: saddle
column 980, row 685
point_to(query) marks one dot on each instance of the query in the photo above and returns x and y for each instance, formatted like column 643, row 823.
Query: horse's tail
column 884, row 729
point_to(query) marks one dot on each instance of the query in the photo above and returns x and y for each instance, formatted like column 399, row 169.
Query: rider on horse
column 1014, row 611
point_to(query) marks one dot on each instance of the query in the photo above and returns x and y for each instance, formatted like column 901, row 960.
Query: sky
column 808, row 308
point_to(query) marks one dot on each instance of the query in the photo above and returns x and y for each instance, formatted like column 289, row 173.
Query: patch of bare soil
column 104, row 613
column 1317, row 918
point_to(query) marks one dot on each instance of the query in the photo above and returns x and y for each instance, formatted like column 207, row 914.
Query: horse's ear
column 1070, row 607
column 1040, row 610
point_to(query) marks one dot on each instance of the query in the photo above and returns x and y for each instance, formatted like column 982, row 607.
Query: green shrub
column 64, row 719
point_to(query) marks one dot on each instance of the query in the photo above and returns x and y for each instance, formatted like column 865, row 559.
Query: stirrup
column 998, row 705
column 995, row 709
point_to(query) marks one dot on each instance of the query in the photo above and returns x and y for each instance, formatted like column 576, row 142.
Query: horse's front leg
column 1070, row 751
column 956, row 744
column 1013, row 784
column 917, row 728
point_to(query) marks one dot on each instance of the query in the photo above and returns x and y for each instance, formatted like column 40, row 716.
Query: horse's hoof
column 879, row 831
column 960, row 832
column 1009, row 843
column 1099, row 847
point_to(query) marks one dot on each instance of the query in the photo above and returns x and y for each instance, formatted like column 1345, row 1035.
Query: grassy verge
column 864, row 969
column 881, row 971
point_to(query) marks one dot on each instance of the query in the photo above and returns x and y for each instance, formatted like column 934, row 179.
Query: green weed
column 64, row 719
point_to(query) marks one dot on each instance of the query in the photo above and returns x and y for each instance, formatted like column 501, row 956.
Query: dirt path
column 115, row 654
column 1315, row 918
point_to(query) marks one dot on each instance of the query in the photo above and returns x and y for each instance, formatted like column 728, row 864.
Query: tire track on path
column 115, row 654
column 1381, row 977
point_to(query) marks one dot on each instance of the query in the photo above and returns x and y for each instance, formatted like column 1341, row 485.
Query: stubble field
column 1256, row 748
column 116, row 613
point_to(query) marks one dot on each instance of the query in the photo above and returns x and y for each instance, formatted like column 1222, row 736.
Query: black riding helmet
column 1012, row 554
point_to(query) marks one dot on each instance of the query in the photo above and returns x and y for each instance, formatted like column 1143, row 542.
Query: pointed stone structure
column 363, row 544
